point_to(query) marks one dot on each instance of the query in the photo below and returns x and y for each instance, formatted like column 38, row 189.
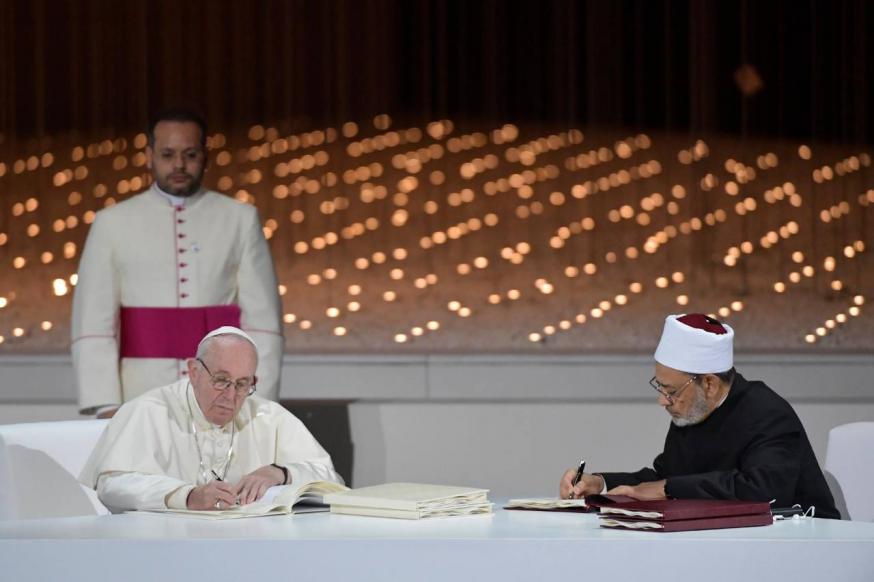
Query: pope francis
column 206, row 442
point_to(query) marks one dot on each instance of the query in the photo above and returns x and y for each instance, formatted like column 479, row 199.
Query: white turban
column 697, row 344
column 227, row 330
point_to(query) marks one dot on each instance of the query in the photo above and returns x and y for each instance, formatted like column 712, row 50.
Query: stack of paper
column 279, row 500
column 686, row 514
column 410, row 501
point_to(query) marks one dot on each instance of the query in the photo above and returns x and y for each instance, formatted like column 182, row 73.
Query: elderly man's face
column 228, row 358
column 688, row 403
column 176, row 158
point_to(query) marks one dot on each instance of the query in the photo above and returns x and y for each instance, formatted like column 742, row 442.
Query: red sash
column 170, row 332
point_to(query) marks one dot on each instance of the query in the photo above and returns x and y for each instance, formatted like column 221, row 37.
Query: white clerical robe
column 147, row 457
column 147, row 252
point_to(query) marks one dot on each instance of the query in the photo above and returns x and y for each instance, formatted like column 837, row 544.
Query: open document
column 589, row 503
column 279, row 500
column 549, row 504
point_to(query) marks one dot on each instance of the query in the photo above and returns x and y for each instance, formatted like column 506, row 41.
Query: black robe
column 753, row 447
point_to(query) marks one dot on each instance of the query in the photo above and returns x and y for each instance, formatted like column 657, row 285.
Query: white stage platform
column 510, row 545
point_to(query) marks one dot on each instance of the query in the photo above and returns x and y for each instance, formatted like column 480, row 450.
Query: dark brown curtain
column 86, row 65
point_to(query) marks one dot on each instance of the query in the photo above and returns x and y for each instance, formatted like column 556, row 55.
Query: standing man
column 730, row 438
column 162, row 269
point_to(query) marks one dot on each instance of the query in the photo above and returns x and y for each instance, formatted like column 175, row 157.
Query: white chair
column 849, row 458
column 40, row 463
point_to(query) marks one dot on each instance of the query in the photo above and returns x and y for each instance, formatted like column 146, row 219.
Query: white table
column 510, row 545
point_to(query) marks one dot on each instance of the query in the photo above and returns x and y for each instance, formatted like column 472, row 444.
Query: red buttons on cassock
column 184, row 279
column 181, row 250
column 183, row 265
column 183, row 295
column 181, row 235
column 180, row 221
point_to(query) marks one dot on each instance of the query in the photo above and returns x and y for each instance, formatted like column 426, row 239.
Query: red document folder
column 756, row 519
column 674, row 509
column 686, row 514
column 599, row 501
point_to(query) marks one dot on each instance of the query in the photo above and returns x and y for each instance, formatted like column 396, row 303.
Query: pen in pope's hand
column 217, row 478
column 577, row 477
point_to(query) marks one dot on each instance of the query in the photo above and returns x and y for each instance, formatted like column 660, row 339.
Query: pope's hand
column 253, row 486
column 214, row 495
column 647, row 491
column 588, row 485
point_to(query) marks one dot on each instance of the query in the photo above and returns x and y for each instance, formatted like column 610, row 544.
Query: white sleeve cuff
column 125, row 491
column 604, row 481
column 179, row 498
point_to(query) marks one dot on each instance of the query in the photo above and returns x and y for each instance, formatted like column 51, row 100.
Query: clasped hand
column 222, row 495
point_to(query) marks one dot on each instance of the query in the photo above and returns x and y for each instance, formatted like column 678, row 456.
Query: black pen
column 577, row 477
column 217, row 478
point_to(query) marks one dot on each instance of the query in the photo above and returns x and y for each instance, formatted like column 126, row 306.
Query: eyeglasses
column 242, row 386
column 663, row 389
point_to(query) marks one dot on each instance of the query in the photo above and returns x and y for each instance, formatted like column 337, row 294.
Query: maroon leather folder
column 753, row 520
column 599, row 501
column 668, row 515
column 676, row 509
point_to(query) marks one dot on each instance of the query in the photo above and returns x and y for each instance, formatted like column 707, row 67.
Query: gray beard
column 698, row 412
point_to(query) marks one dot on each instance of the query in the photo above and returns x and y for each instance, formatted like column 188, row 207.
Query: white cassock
column 147, row 457
column 152, row 278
